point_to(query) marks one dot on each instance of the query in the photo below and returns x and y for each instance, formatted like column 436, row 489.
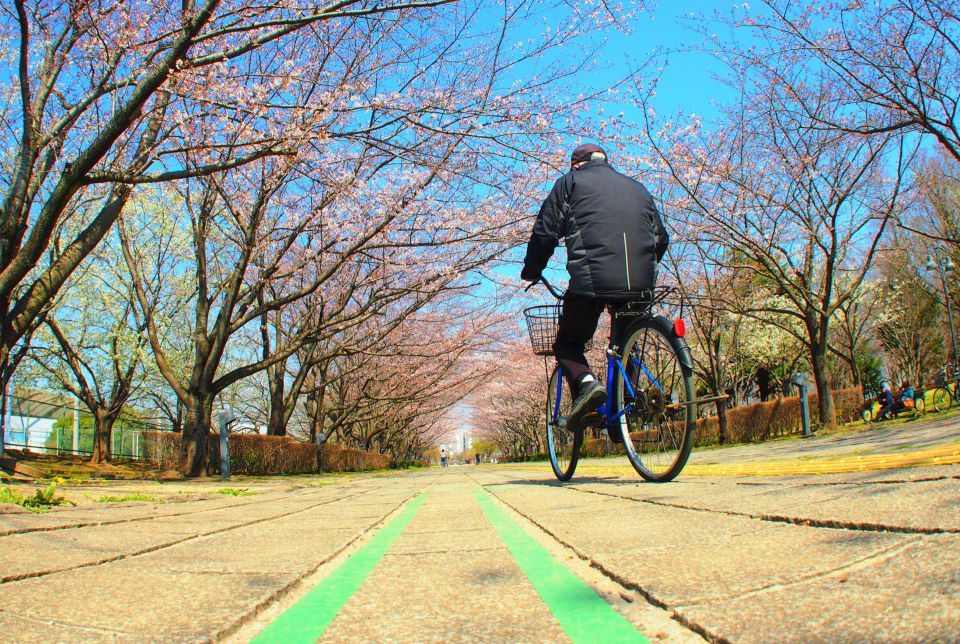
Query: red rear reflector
column 679, row 327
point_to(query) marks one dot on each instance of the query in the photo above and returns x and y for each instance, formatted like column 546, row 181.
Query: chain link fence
column 53, row 424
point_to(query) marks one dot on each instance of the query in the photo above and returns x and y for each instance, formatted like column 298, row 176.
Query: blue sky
column 687, row 82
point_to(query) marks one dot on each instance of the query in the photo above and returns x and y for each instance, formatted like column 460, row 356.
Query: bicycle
column 946, row 393
column 650, row 399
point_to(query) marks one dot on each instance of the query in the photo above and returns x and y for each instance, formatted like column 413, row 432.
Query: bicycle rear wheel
column 657, row 426
column 942, row 399
column 563, row 445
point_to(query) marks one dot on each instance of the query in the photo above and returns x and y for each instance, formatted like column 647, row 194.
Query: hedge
column 259, row 454
column 337, row 458
column 755, row 422
column 781, row 417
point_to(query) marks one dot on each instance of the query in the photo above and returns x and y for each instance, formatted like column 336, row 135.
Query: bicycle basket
column 542, row 322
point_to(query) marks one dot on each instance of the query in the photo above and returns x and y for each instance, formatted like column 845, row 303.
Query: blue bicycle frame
column 605, row 410
column 613, row 362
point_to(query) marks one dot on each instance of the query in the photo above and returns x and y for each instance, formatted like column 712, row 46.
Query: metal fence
column 53, row 424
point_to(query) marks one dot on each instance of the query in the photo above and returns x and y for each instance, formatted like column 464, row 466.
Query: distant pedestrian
column 476, row 459
column 443, row 458
column 886, row 402
column 905, row 400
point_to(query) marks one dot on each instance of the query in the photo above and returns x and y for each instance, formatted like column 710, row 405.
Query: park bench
column 871, row 406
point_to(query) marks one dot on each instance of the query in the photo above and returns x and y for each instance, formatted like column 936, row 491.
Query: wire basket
column 542, row 323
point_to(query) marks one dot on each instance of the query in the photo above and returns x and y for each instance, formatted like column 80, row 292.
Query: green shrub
column 128, row 497
column 39, row 502
column 235, row 491
column 406, row 464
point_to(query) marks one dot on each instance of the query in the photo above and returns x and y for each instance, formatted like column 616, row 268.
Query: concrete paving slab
column 126, row 597
column 275, row 549
column 111, row 513
column 446, row 597
column 442, row 541
column 922, row 604
column 922, row 505
column 35, row 552
column 37, row 631
column 478, row 595
column 683, row 556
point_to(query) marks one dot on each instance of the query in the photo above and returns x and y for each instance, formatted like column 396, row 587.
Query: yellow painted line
column 940, row 455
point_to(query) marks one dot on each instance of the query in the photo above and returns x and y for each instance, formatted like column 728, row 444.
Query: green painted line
column 306, row 620
column 582, row 613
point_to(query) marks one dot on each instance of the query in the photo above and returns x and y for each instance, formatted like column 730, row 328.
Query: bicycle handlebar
column 554, row 292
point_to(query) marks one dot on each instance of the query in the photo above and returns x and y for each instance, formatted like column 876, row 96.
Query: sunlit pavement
column 830, row 538
column 930, row 440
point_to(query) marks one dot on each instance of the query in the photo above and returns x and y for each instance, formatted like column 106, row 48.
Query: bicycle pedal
column 592, row 418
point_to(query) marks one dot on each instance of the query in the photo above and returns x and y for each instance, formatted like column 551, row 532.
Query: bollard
column 226, row 417
column 800, row 380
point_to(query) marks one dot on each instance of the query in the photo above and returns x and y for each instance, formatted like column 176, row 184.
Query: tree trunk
column 194, row 443
column 723, row 432
column 855, row 373
column 102, row 434
column 315, row 421
column 276, row 424
column 828, row 413
column 4, row 384
column 764, row 378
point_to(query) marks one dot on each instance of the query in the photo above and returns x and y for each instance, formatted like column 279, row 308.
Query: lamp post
column 941, row 262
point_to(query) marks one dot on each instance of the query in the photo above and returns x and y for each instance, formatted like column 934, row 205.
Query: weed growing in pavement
column 319, row 483
column 136, row 496
column 10, row 496
column 235, row 491
column 41, row 501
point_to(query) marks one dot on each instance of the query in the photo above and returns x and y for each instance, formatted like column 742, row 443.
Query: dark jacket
column 612, row 229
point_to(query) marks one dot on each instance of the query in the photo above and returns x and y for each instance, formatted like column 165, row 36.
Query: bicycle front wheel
column 942, row 399
column 656, row 399
column 562, row 444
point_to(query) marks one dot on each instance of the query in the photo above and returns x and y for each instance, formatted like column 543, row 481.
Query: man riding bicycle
column 615, row 238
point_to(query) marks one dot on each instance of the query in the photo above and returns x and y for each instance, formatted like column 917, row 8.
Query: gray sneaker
column 592, row 395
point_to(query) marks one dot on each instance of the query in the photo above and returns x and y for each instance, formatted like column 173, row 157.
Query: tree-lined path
column 504, row 553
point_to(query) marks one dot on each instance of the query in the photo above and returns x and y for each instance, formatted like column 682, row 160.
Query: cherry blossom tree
column 398, row 395
column 107, row 97
column 801, row 208
column 510, row 410
column 896, row 64
column 93, row 344
column 382, row 102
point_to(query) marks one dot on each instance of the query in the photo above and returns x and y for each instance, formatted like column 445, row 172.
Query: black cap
column 582, row 152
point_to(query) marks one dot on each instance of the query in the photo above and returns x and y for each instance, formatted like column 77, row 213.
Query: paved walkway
column 503, row 553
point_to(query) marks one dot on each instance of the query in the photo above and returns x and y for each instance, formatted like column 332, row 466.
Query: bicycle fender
column 684, row 354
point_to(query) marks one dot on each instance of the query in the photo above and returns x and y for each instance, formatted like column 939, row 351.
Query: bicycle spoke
column 563, row 445
column 660, row 417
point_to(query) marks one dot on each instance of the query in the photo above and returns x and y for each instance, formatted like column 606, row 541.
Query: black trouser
column 578, row 323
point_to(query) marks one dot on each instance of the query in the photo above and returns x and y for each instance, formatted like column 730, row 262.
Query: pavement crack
column 98, row 523
column 926, row 479
column 445, row 551
column 872, row 559
column 806, row 522
column 64, row 624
